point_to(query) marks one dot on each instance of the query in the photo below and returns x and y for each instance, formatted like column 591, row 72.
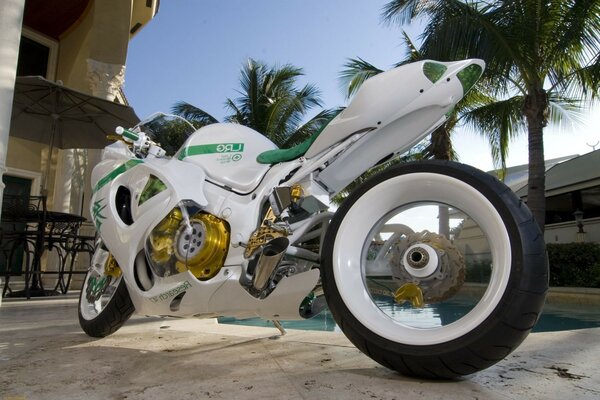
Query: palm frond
column 403, row 12
column 583, row 83
column 499, row 122
column 281, row 79
column 287, row 114
column 356, row 71
column 314, row 125
column 565, row 113
column 238, row 116
column 475, row 29
column 573, row 36
column 250, row 99
column 413, row 53
column 193, row 114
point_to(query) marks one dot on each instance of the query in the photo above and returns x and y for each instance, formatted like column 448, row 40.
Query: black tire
column 114, row 313
column 513, row 316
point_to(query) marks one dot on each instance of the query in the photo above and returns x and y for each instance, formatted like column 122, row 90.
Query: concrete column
column 105, row 79
column 105, row 73
column 92, row 158
column 65, row 169
column 108, row 47
column 11, row 21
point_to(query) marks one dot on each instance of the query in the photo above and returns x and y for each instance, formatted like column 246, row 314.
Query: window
column 560, row 208
column 590, row 199
column 37, row 55
column 33, row 58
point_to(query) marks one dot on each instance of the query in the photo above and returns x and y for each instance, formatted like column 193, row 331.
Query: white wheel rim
column 376, row 203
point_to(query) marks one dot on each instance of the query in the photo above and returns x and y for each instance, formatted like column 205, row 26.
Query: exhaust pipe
column 267, row 262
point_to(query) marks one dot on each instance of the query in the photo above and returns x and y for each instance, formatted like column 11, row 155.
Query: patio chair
column 22, row 226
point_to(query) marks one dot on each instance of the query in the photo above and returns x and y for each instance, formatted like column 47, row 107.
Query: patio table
column 43, row 231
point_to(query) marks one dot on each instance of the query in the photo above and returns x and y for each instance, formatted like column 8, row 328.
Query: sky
column 194, row 50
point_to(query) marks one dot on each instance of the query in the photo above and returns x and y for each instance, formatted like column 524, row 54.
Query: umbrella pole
column 36, row 283
column 44, row 188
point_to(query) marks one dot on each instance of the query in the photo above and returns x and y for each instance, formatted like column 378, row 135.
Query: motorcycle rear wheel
column 104, row 303
column 482, row 278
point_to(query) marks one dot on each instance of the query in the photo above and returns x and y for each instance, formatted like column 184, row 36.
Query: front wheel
column 104, row 303
column 435, row 269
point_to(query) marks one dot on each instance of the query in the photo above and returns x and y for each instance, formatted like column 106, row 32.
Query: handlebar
column 142, row 145
column 127, row 134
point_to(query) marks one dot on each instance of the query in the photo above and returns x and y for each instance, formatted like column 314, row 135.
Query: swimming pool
column 555, row 317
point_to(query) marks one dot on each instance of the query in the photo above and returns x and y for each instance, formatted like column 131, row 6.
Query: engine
column 182, row 242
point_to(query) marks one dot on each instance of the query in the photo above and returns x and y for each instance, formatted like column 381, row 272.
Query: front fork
column 106, row 270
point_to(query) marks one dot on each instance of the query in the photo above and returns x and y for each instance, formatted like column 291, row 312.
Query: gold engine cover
column 201, row 246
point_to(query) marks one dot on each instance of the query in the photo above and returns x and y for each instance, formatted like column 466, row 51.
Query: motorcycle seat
column 283, row 155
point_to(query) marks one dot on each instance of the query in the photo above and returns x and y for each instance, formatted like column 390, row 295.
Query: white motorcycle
column 434, row 269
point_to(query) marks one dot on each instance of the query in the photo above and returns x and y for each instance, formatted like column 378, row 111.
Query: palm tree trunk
column 534, row 109
column 441, row 148
column 441, row 145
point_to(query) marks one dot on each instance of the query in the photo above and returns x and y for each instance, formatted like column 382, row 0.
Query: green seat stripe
column 282, row 155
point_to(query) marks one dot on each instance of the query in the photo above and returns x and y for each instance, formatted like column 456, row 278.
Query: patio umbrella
column 64, row 118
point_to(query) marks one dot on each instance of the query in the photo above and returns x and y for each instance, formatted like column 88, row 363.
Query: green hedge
column 478, row 271
column 574, row 264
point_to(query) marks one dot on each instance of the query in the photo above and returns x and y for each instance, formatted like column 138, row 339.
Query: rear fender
column 393, row 94
column 401, row 107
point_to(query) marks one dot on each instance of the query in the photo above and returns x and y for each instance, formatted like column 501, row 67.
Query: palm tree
column 542, row 58
column 269, row 103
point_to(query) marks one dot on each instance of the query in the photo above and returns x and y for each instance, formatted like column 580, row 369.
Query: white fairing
column 400, row 107
column 222, row 294
column 227, row 152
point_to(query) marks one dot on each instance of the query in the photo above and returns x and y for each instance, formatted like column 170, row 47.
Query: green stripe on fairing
column 197, row 150
column 211, row 149
column 116, row 172
column 434, row 71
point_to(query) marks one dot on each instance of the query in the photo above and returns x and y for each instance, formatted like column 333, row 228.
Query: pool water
column 555, row 317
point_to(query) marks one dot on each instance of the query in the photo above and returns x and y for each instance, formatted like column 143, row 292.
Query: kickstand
column 277, row 325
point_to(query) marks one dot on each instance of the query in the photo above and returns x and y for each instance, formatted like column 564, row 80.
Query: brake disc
column 444, row 280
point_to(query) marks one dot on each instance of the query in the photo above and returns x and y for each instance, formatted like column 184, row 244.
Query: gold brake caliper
column 409, row 292
column 112, row 268
column 96, row 285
